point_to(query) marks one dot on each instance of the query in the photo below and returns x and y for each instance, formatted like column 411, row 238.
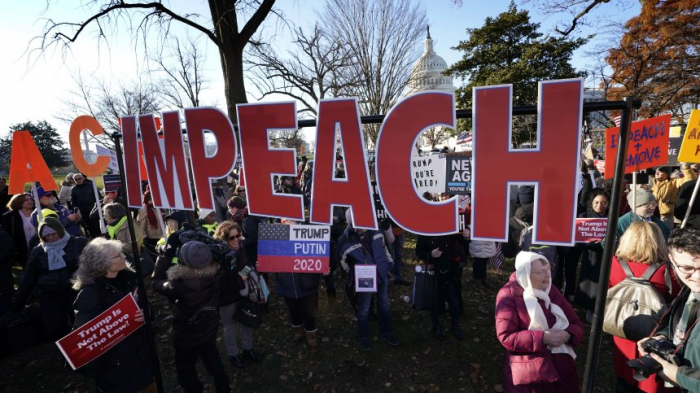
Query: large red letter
column 27, row 164
column 396, row 140
column 76, row 151
column 262, row 162
column 552, row 167
column 132, row 171
column 341, row 116
column 219, row 165
column 167, row 168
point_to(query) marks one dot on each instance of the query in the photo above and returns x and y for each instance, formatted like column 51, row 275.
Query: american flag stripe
column 617, row 120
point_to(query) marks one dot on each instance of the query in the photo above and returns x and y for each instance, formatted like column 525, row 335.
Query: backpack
column 633, row 306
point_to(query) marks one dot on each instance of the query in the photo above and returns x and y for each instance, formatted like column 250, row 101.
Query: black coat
column 12, row 223
column 83, row 197
column 683, row 202
column 232, row 282
column 127, row 367
column 37, row 272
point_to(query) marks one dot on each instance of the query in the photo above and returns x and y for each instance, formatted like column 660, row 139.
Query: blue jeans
column 363, row 303
column 397, row 254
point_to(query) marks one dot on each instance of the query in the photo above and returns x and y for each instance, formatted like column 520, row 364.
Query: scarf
column 112, row 229
column 240, row 215
column 54, row 251
column 151, row 214
column 538, row 321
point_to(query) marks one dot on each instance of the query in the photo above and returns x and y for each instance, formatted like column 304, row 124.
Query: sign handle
column 692, row 202
column 103, row 228
column 37, row 204
column 634, row 191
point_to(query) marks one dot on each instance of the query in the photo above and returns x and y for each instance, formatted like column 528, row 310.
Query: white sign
column 113, row 165
column 365, row 278
column 428, row 173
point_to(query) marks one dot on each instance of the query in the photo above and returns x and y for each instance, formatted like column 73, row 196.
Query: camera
column 221, row 252
column 645, row 366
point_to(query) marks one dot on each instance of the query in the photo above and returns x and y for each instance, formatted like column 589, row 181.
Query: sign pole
column 634, row 191
column 103, row 228
column 691, row 203
column 37, row 204
column 143, row 297
column 608, row 250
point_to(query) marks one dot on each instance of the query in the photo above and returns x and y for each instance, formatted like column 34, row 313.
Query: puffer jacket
column 37, row 272
column 64, row 195
column 482, row 249
column 127, row 367
column 526, row 348
column 190, row 289
column 352, row 252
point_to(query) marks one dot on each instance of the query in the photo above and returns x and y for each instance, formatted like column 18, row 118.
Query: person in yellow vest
column 172, row 225
column 665, row 190
column 207, row 220
column 118, row 229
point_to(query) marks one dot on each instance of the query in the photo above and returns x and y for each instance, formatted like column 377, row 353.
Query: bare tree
column 107, row 104
column 578, row 11
column 435, row 135
column 147, row 19
column 315, row 68
column 381, row 37
column 182, row 67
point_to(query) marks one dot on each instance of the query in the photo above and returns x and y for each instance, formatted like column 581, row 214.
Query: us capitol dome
column 427, row 72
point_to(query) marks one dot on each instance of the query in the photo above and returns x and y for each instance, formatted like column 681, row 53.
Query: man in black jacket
column 193, row 285
column 683, row 202
column 83, row 197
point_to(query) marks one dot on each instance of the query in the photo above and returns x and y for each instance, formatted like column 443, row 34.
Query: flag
column 617, row 120
column 497, row 260
column 293, row 248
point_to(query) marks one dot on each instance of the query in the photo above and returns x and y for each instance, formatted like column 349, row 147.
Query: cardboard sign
column 103, row 332
column 294, row 248
column 690, row 149
column 647, row 145
column 590, row 229
column 112, row 183
column 428, row 173
column 365, row 278
column 459, row 174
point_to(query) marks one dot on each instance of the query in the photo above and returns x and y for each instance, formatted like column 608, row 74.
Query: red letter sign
column 341, row 116
column 170, row 181
column 131, row 162
column 552, row 167
column 254, row 123
column 395, row 143
column 205, row 168
column 27, row 164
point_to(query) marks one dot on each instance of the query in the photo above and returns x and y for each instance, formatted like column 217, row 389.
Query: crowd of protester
column 77, row 263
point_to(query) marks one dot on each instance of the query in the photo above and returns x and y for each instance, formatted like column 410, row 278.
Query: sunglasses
column 234, row 237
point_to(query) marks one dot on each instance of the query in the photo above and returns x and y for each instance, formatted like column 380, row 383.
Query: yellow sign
column 690, row 149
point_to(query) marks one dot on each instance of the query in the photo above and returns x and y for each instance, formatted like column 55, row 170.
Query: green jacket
column 625, row 221
column 688, row 376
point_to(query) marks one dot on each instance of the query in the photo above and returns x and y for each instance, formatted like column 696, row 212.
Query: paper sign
column 674, row 148
column 428, row 173
column 294, row 248
column 112, row 183
column 690, row 149
column 365, row 278
column 647, row 145
column 459, row 174
column 590, row 229
column 113, row 163
column 103, row 332
column 27, row 164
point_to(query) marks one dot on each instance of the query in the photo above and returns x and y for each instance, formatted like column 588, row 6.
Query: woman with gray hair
column 103, row 278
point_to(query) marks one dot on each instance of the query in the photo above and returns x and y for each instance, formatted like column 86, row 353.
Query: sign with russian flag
column 294, row 248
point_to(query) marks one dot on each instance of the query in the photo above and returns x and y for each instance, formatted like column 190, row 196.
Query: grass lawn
column 419, row 364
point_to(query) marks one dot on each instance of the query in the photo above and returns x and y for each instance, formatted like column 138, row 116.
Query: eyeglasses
column 688, row 270
column 241, row 191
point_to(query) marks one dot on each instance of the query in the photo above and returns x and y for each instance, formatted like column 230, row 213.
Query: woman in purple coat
column 538, row 328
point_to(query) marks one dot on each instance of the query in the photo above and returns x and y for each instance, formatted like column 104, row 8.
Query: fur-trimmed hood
column 182, row 272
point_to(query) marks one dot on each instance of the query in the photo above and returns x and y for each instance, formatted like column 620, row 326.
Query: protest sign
column 590, row 229
column 112, row 183
column 459, row 174
column 365, row 278
column 90, row 124
column 27, row 164
column 647, row 146
column 690, row 149
column 599, row 165
column 294, row 248
column 113, row 163
column 100, row 334
column 379, row 209
column 674, row 148
column 428, row 173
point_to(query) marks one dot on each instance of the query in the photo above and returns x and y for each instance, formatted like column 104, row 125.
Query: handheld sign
column 27, row 164
column 428, row 173
column 690, row 149
column 294, row 248
column 459, row 175
column 100, row 334
column 590, row 229
column 674, row 148
column 365, row 278
column 112, row 183
column 647, row 146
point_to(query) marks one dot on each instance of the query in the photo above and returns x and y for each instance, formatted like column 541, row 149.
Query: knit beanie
column 203, row 213
column 526, row 194
column 51, row 225
column 48, row 213
column 195, row 254
column 643, row 197
column 237, row 202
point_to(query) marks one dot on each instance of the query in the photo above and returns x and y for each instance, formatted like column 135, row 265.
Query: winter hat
column 51, row 225
column 643, row 197
column 526, row 194
column 203, row 213
column 195, row 254
column 237, row 202
column 48, row 213
column 69, row 177
column 41, row 192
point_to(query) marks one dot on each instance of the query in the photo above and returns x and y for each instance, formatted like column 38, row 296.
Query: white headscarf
column 538, row 321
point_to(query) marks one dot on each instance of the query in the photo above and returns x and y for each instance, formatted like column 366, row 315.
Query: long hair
column 17, row 201
column 225, row 227
column 643, row 242
column 94, row 261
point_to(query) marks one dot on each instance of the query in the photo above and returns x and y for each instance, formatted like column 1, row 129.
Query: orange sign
column 27, row 164
column 76, row 150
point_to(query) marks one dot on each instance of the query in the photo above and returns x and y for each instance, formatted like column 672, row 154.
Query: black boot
column 438, row 333
column 457, row 332
column 236, row 361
